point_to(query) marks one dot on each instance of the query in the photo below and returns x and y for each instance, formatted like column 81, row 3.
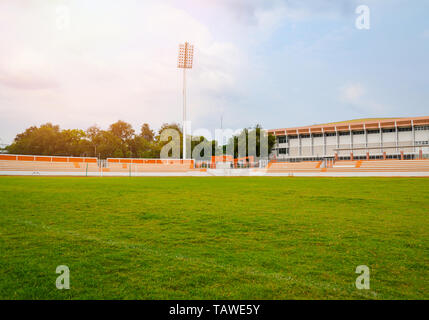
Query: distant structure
column 2, row 147
column 362, row 139
column 185, row 59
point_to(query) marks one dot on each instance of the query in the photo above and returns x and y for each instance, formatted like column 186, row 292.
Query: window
column 283, row 150
column 303, row 136
column 393, row 156
column 317, row 135
column 358, row 132
column 292, row 137
column 282, row 139
column 422, row 143
column 420, row 128
column 405, row 129
column 344, row 133
column 373, row 131
column 331, row 134
column 388, row 130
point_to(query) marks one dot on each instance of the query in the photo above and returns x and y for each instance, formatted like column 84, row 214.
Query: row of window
column 283, row 150
column 283, row 139
column 371, row 157
column 422, row 143
column 419, row 128
column 301, row 159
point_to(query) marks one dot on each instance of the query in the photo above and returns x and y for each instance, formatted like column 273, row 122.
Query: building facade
column 401, row 138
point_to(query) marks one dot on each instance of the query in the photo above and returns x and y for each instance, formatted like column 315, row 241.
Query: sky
column 276, row 63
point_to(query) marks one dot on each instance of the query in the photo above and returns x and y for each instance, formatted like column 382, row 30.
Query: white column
column 324, row 142
column 366, row 137
column 396, row 137
column 351, row 138
column 184, row 114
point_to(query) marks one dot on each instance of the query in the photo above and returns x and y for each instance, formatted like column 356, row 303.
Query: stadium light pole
column 186, row 56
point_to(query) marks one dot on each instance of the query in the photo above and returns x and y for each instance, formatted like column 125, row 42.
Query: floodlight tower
column 186, row 55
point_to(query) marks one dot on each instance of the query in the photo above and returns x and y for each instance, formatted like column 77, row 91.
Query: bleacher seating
column 381, row 166
column 119, row 167
column 149, row 165
column 47, row 163
column 352, row 166
column 76, row 165
column 305, row 166
column 395, row 166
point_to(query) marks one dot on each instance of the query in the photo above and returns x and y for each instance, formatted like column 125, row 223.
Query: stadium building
column 362, row 139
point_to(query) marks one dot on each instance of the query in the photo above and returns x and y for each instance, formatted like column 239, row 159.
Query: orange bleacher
column 149, row 165
column 47, row 163
column 394, row 166
column 381, row 166
column 305, row 166
column 351, row 166
column 26, row 163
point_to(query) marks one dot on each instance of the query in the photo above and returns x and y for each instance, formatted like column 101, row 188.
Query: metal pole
column 184, row 113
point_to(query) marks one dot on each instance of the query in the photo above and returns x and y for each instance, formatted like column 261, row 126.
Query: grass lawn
column 214, row 238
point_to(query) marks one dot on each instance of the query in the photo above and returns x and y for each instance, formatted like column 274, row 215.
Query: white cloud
column 356, row 95
column 352, row 93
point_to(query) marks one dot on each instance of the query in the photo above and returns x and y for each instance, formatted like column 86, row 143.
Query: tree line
column 120, row 140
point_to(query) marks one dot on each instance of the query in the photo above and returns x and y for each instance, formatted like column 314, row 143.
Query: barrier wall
column 351, row 166
column 12, row 157
column 81, row 166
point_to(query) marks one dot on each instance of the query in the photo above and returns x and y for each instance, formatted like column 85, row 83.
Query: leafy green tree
column 147, row 133
column 94, row 138
column 73, row 142
column 45, row 140
column 119, row 140
column 166, row 126
column 244, row 134
column 122, row 130
column 109, row 145
column 125, row 132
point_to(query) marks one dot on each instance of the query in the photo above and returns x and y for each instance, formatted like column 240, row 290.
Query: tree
column 141, row 148
column 93, row 135
column 147, row 133
column 125, row 132
column 122, row 130
column 73, row 142
column 118, row 141
column 45, row 140
column 166, row 126
column 109, row 145
column 244, row 134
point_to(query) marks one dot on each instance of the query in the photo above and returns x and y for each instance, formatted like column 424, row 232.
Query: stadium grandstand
column 362, row 139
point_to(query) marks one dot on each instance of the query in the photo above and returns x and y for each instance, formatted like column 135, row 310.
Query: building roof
column 357, row 124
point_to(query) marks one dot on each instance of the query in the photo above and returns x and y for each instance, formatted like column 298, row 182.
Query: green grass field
column 214, row 238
